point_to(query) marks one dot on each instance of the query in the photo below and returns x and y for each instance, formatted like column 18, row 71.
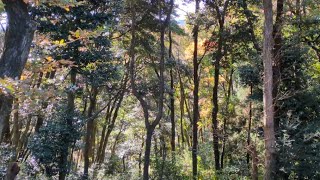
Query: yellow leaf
column 77, row 34
column 49, row 58
column 23, row 77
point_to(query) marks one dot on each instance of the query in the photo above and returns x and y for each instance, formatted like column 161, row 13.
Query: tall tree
column 220, row 14
column 150, row 126
column 268, row 108
column 18, row 39
column 196, row 82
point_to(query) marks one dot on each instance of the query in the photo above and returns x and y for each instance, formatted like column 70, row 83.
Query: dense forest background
column 122, row 89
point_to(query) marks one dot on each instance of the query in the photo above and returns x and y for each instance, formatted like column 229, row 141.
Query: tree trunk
column 196, row 80
column 226, row 116
column 140, row 157
column 217, row 58
column 147, row 153
column 12, row 171
column 16, row 125
column 254, row 155
column 172, row 113
column 181, row 109
column 268, row 117
column 5, row 136
column 277, row 65
column 18, row 39
column 89, row 133
column 249, row 125
column 215, row 103
column 70, row 109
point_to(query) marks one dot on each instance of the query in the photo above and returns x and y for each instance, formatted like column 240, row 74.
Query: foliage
column 55, row 137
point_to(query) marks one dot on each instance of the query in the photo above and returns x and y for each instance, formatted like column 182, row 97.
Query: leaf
column 77, row 34
column 9, row 86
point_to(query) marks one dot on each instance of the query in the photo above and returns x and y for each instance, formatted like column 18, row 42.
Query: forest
column 159, row 89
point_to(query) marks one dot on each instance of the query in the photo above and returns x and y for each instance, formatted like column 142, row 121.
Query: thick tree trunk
column 268, row 117
column 196, row 80
column 18, row 39
column 12, row 171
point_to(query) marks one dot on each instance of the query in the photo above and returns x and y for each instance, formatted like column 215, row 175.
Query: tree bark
column 18, row 39
column 172, row 109
column 147, row 153
column 70, row 110
column 16, row 125
column 226, row 116
column 277, row 65
column 221, row 18
column 182, row 100
column 89, row 133
column 12, row 171
column 196, row 80
column 249, row 125
column 254, row 165
column 268, row 115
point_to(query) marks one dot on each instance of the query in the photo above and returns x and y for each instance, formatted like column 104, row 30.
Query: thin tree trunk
column 181, row 109
column 196, row 82
column 172, row 113
column 111, row 119
column 217, row 59
column 70, row 109
column 249, row 125
column 268, row 118
column 89, row 133
column 226, row 116
column 16, row 125
column 140, row 157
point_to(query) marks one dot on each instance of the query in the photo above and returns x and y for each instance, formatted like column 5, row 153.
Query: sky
column 2, row 21
column 183, row 9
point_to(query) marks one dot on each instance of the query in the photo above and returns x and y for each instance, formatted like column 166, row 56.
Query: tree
column 268, row 113
column 18, row 39
column 196, row 81
column 150, row 127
